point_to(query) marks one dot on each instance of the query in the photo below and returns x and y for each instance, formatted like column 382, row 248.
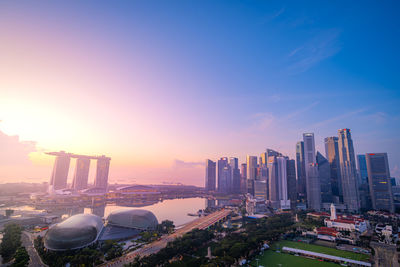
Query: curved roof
column 75, row 232
column 135, row 187
column 133, row 218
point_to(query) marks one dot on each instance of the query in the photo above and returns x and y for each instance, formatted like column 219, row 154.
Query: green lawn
column 321, row 249
column 273, row 259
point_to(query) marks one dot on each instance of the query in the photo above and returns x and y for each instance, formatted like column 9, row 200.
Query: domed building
column 133, row 218
column 76, row 232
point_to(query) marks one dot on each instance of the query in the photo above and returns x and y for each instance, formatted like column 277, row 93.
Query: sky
column 159, row 86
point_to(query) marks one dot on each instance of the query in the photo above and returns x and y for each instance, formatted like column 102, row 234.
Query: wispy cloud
column 274, row 15
column 300, row 111
column 319, row 48
column 337, row 118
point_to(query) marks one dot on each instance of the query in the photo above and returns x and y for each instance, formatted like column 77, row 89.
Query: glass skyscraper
column 324, row 174
column 301, row 171
column 332, row 155
column 348, row 170
column 210, row 175
column 313, row 187
column 379, row 181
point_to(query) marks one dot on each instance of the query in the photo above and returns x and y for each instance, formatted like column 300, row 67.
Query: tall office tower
column 301, row 171
column 210, row 175
column 284, row 202
column 103, row 167
column 260, row 189
column 291, row 181
column 324, row 174
column 273, row 183
column 277, row 183
column 59, row 176
column 263, row 159
column 81, row 176
column 363, row 187
column 273, row 153
column 235, row 175
column 379, row 181
column 243, row 178
column 348, row 170
column 313, row 187
column 262, row 173
column 223, row 175
column 332, row 154
column 251, row 167
column 362, row 169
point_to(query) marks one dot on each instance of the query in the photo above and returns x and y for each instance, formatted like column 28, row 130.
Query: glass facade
column 75, row 232
column 133, row 218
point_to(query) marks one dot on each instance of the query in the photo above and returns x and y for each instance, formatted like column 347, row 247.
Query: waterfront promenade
column 154, row 247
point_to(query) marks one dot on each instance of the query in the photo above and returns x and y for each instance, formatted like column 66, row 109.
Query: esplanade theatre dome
column 133, row 218
column 77, row 231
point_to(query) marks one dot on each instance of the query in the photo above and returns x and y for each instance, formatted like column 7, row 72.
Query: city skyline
column 160, row 96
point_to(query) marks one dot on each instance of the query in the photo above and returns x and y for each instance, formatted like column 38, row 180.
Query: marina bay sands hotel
column 59, row 176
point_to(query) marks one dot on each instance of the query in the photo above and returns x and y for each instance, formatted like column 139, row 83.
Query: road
column 154, row 247
column 27, row 242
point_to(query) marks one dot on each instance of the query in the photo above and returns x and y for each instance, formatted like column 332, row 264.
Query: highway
column 154, row 247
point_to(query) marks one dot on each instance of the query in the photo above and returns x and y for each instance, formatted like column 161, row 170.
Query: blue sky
column 216, row 78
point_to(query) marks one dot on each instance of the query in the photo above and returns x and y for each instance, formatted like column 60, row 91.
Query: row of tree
column 11, row 241
column 89, row 256
column 191, row 249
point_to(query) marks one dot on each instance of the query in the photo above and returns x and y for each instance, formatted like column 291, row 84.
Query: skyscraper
column 224, row 175
column 284, row 202
column 332, row 155
column 59, row 176
column 363, row 187
column 81, row 176
column 251, row 167
column 243, row 178
column 362, row 169
column 210, row 175
column 291, row 181
column 301, row 171
column 324, row 174
column 103, row 166
column 277, row 182
column 313, row 187
column 348, row 170
column 379, row 181
column 263, row 158
column 260, row 189
column 235, row 175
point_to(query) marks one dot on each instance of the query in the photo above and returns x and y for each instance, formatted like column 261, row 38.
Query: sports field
column 321, row 249
column 275, row 259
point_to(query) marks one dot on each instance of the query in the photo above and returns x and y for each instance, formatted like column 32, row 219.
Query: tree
column 166, row 227
column 21, row 258
column 11, row 241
